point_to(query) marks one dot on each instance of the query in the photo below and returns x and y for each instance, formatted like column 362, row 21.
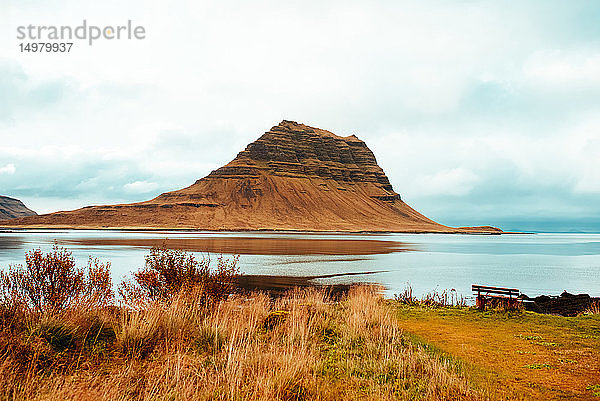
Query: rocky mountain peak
column 297, row 150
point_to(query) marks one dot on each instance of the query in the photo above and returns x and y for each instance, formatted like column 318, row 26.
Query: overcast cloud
column 480, row 112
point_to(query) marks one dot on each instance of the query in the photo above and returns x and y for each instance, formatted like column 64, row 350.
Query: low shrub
column 97, row 285
column 51, row 282
column 168, row 272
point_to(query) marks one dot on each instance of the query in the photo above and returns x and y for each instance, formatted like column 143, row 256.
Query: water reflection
column 536, row 264
column 254, row 246
column 10, row 243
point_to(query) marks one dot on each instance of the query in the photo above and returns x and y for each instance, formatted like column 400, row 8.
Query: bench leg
column 480, row 302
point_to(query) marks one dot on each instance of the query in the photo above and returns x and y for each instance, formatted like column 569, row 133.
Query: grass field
column 183, row 331
column 514, row 355
column 301, row 347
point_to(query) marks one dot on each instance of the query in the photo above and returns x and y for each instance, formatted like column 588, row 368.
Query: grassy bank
column 301, row 347
column 516, row 355
column 181, row 329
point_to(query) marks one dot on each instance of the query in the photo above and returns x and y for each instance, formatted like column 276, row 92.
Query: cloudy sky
column 480, row 112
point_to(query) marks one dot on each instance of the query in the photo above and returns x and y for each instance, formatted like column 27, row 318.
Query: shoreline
column 278, row 231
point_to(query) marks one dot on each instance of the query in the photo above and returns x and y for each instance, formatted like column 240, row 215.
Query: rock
column 294, row 177
column 565, row 305
column 11, row 208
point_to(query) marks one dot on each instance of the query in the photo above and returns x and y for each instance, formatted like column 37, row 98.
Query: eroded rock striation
column 11, row 208
column 294, row 177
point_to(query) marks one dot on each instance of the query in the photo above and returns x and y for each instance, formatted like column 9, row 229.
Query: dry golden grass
column 594, row 308
column 301, row 347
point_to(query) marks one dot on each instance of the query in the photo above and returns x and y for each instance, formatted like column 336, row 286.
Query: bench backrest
column 485, row 290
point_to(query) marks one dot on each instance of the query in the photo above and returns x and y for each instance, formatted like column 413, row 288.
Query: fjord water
column 534, row 263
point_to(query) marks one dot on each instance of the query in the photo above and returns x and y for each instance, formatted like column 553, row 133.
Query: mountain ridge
column 11, row 208
column 293, row 177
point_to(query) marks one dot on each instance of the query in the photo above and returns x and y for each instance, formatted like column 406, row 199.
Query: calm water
column 536, row 264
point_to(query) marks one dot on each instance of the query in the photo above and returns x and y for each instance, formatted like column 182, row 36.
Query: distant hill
column 294, row 177
column 11, row 208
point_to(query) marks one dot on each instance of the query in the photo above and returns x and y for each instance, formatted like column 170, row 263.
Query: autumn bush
column 168, row 272
column 51, row 282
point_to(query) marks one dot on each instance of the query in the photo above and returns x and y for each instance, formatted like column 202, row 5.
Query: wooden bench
column 500, row 294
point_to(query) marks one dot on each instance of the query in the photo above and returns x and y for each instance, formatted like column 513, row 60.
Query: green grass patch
column 530, row 338
column 595, row 389
column 538, row 366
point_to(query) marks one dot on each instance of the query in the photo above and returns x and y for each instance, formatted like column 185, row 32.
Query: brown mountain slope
column 11, row 208
column 294, row 177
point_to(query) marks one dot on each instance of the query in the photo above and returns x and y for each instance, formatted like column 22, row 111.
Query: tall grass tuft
column 433, row 298
column 593, row 309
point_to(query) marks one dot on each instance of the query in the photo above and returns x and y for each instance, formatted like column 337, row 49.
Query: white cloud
column 8, row 169
column 454, row 182
column 568, row 68
column 140, row 187
column 586, row 157
column 589, row 183
column 451, row 102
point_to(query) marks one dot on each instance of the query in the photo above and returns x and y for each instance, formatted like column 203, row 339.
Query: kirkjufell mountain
column 294, row 177
column 11, row 208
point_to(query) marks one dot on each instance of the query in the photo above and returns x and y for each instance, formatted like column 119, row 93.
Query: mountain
column 294, row 177
column 11, row 208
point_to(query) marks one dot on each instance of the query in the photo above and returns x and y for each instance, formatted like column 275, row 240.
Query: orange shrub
column 168, row 272
column 51, row 282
